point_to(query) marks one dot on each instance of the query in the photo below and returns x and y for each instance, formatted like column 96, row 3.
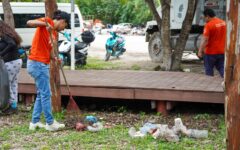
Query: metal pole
column 72, row 37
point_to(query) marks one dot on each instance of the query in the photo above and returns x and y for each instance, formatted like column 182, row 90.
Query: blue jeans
column 40, row 72
column 211, row 61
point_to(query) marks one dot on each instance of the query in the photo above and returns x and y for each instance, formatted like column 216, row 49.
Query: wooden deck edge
column 140, row 94
column 181, row 96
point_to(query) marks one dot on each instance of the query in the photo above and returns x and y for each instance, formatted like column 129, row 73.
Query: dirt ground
column 195, row 66
column 137, row 57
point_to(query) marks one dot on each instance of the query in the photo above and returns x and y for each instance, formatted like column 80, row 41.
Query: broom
column 72, row 107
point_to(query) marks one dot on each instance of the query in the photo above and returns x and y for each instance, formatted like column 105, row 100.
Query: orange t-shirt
column 215, row 30
column 41, row 44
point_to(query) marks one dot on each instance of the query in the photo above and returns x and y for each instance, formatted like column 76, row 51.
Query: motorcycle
column 115, row 46
column 81, row 48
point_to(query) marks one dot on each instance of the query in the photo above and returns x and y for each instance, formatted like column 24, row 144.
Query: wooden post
column 29, row 99
column 232, row 75
column 51, row 6
column 162, row 107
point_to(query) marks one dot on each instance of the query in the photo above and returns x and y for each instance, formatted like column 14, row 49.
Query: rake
column 72, row 107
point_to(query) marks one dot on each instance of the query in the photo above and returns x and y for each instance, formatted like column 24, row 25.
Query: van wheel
column 107, row 56
column 155, row 48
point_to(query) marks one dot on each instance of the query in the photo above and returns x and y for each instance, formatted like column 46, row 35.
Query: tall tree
column 8, row 15
column 172, row 54
column 232, row 76
column 181, row 42
column 51, row 6
column 116, row 11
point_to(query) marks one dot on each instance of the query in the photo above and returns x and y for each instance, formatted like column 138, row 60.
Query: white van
column 24, row 11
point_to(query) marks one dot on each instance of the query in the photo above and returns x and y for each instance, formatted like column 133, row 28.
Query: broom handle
column 55, row 52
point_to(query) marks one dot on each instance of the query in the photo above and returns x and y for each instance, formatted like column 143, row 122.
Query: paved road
column 137, row 48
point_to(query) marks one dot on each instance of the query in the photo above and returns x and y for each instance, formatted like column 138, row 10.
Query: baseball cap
column 62, row 15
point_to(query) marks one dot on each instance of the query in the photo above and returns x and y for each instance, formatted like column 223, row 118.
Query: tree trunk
column 183, row 37
column 172, row 59
column 232, row 76
column 165, row 36
column 51, row 6
column 164, row 29
column 8, row 15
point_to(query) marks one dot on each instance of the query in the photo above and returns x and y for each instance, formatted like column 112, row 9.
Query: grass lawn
column 99, row 64
column 14, row 133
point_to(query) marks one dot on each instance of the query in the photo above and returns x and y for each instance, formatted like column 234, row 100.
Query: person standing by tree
column 213, row 43
column 9, row 42
column 38, row 67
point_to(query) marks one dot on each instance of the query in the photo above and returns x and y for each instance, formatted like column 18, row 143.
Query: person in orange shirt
column 38, row 67
column 213, row 43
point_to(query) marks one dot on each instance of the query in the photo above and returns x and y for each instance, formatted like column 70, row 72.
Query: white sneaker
column 55, row 126
column 34, row 126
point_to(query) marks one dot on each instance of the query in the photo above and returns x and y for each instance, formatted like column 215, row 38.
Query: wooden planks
column 147, row 85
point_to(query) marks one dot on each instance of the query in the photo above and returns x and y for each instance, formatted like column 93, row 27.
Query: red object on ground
column 80, row 126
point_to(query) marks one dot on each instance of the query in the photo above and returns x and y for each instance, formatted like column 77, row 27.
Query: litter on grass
column 90, row 123
column 164, row 132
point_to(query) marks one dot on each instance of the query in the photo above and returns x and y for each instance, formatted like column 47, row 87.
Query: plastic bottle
column 95, row 127
column 193, row 133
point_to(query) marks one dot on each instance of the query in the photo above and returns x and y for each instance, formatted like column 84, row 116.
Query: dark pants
column 211, row 61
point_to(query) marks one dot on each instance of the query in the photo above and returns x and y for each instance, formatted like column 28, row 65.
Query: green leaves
column 112, row 11
column 116, row 11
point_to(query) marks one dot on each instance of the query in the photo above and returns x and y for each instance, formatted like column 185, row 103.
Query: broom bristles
column 72, row 107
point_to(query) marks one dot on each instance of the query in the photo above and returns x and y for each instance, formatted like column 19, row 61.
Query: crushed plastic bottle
column 134, row 134
column 171, row 136
column 193, row 133
column 179, row 127
column 147, row 128
column 95, row 127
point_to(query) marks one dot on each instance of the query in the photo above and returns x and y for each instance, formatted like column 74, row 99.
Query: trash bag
column 4, row 86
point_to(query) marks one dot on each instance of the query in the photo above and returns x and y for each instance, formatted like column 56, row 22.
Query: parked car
column 123, row 28
column 137, row 31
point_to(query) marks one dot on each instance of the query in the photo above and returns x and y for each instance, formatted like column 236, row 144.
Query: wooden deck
column 139, row 85
column 170, row 86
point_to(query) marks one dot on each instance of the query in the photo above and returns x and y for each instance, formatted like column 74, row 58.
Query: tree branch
column 184, row 34
column 153, row 8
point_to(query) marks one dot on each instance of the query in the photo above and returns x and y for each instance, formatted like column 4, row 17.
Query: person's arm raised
column 36, row 23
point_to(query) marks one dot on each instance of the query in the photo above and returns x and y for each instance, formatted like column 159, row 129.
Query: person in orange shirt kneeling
column 38, row 67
